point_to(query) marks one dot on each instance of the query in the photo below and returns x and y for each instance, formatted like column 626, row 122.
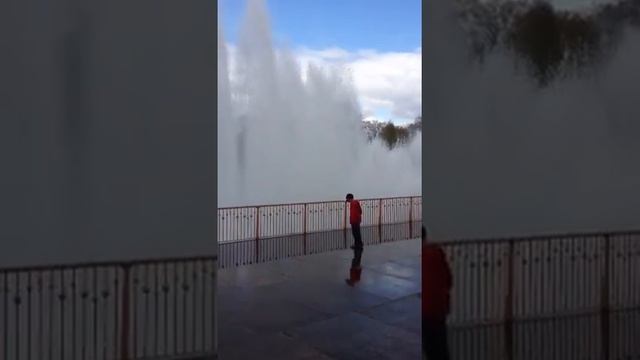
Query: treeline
column 392, row 135
column 549, row 43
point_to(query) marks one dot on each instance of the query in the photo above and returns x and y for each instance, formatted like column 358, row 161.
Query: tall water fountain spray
column 285, row 139
column 507, row 156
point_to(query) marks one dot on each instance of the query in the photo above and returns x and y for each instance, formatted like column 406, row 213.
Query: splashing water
column 285, row 139
column 509, row 158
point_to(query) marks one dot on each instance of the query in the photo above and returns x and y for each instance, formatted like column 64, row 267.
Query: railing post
column 410, row 218
column 604, row 293
column 508, row 302
column 257, row 233
column 508, row 299
column 304, row 221
column 124, row 321
column 380, row 218
column 605, row 299
column 344, row 224
column 344, row 217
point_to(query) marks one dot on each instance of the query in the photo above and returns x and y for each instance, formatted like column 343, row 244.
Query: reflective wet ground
column 301, row 307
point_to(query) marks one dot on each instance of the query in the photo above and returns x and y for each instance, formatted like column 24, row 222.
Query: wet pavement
column 301, row 307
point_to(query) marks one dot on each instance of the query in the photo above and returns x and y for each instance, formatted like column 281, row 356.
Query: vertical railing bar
column 29, row 315
column 304, row 224
column 411, row 218
column 475, row 269
column 165, row 292
column 105, row 308
column 51, row 307
column 380, row 217
column 194, row 276
column 74, row 310
column 156, row 315
column 563, row 275
column 557, row 264
column 84, row 318
column 549, row 279
column 533, row 286
column 17, row 314
column 573, row 295
column 586, row 273
column 175, row 308
column 634, row 285
column 605, row 301
column 145, row 292
column 133, row 311
column 213, row 308
column 94, row 300
column 508, row 315
column 488, row 260
column 184, row 306
column 61, row 297
column 593, row 287
column 540, row 272
column 628, row 259
column 5, row 316
column 125, row 322
column 257, row 232
column 116, row 305
column 575, row 278
column 203, row 271
column 605, row 277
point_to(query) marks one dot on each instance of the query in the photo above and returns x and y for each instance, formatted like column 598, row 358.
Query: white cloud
column 388, row 83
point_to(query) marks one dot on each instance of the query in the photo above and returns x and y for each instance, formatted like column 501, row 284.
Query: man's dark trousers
column 434, row 339
column 357, row 237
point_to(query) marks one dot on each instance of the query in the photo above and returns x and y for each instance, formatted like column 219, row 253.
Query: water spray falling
column 507, row 156
column 285, row 139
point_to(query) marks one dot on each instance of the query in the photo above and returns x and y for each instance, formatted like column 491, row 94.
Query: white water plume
column 507, row 157
column 285, row 139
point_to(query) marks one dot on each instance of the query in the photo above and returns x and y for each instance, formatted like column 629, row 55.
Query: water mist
column 506, row 156
column 285, row 139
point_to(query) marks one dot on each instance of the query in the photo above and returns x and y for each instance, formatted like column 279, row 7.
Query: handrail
column 534, row 238
column 314, row 202
column 97, row 264
column 276, row 220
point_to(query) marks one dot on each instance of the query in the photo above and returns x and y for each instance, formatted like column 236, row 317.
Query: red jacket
column 355, row 212
column 436, row 283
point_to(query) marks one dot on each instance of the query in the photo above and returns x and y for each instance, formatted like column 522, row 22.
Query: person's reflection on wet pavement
column 356, row 269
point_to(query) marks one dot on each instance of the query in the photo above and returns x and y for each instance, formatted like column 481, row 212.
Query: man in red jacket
column 355, row 217
column 436, row 286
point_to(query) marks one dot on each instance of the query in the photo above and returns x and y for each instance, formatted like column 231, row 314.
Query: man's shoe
column 350, row 282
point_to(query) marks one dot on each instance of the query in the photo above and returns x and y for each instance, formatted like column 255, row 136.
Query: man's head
column 349, row 197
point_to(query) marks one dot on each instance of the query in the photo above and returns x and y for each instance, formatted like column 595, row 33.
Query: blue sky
column 383, row 25
column 378, row 40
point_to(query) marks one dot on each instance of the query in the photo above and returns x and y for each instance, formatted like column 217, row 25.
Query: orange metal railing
column 268, row 221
